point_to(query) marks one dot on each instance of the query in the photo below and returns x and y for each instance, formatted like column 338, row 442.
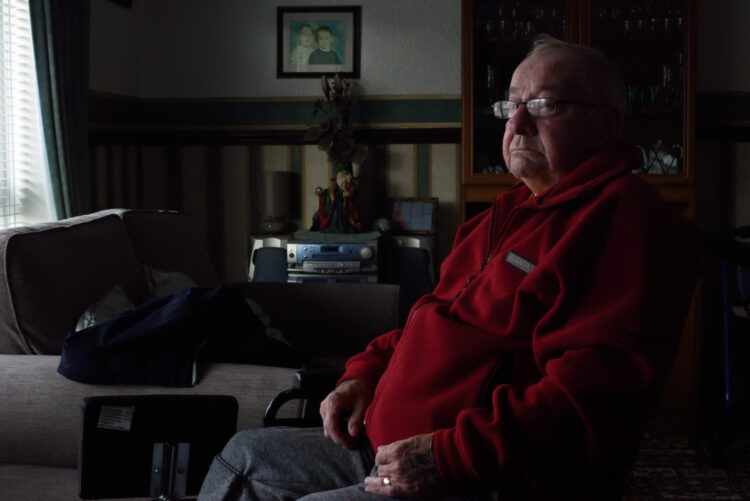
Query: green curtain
column 60, row 29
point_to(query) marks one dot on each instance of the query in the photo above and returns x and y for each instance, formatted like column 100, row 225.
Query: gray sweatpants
column 293, row 463
column 288, row 463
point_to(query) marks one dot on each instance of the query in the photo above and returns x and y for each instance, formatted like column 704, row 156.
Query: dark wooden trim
column 126, row 202
column 722, row 116
column 689, row 107
column 255, row 188
column 139, row 177
column 449, row 135
column 726, row 181
column 110, row 176
column 425, row 135
column 174, row 176
column 215, row 208
column 94, row 178
column 467, row 88
column 726, row 132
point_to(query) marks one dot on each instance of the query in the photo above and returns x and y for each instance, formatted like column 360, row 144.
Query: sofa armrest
column 40, row 417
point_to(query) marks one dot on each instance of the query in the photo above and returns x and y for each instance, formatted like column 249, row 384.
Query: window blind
column 24, row 175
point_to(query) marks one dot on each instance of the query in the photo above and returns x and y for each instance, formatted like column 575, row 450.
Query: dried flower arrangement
column 334, row 134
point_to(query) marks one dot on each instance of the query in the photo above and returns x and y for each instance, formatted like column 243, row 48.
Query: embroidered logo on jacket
column 519, row 262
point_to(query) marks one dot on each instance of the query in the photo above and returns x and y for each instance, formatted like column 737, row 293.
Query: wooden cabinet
column 652, row 42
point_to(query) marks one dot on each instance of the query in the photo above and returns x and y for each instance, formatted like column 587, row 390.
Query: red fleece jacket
column 580, row 295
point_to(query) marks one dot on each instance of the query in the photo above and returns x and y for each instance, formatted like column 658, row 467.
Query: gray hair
column 604, row 71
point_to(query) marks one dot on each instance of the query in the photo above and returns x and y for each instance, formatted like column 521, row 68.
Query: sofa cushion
column 25, row 481
column 168, row 241
column 40, row 415
column 164, row 283
column 51, row 273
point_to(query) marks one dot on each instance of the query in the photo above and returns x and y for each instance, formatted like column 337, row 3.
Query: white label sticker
column 519, row 262
column 113, row 417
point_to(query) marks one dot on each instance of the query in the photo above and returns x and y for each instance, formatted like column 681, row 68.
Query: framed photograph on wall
column 413, row 216
column 315, row 41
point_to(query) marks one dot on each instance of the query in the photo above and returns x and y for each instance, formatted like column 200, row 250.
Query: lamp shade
column 281, row 194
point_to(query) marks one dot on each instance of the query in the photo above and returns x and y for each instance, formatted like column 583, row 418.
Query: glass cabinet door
column 646, row 38
column 502, row 35
column 649, row 39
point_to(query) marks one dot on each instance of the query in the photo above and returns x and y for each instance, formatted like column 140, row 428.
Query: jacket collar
column 610, row 163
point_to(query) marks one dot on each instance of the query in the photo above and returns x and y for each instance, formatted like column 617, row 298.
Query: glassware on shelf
column 522, row 21
column 495, row 169
column 492, row 89
column 660, row 158
column 490, row 28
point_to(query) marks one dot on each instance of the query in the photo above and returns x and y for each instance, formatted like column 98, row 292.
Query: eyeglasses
column 537, row 108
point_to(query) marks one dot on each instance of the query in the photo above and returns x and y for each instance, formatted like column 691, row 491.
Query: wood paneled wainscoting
column 216, row 177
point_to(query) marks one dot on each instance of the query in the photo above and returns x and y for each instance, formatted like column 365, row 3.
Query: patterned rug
column 678, row 469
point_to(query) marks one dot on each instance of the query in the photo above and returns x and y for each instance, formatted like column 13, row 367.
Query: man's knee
column 270, row 445
column 247, row 444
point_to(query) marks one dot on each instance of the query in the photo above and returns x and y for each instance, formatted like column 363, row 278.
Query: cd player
column 363, row 253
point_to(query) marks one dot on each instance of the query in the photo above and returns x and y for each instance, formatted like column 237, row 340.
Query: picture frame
column 316, row 41
column 413, row 216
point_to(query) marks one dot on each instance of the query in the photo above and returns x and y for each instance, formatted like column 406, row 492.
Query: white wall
column 723, row 45
column 722, row 48
column 115, row 49
column 227, row 48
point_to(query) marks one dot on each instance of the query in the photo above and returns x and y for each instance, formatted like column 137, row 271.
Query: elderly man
column 531, row 367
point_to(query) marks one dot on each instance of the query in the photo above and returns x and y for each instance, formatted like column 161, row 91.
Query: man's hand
column 343, row 411
column 408, row 466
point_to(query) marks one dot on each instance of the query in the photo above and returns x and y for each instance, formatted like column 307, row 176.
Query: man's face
column 306, row 37
column 324, row 40
column 540, row 151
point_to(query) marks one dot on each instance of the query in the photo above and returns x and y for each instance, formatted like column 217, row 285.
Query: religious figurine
column 336, row 211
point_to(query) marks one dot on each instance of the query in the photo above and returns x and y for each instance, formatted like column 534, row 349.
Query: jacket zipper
column 491, row 247
column 416, row 308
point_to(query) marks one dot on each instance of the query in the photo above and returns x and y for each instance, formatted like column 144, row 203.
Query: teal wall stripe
column 407, row 111
column 423, row 170
column 146, row 113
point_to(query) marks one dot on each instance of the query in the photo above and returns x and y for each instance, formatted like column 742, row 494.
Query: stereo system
column 324, row 262
column 365, row 262
column 333, row 258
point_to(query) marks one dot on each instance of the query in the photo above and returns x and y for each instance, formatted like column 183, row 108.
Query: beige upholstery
column 41, row 410
column 49, row 274
column 35, row 482
column 42, row 289
column 168, row 241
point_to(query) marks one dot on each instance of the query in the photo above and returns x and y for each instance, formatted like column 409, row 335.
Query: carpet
column 679, row 469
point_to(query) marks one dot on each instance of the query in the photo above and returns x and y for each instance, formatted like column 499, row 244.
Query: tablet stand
column 169, row 471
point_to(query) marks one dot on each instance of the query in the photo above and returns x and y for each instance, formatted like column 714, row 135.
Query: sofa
column 51, row 273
